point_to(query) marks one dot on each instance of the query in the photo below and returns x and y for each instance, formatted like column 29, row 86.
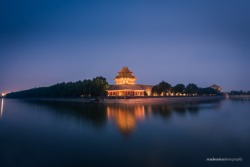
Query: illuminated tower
column 125, row 85
column 125, row 76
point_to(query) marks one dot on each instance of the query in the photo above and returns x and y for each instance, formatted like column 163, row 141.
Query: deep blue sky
column 43, row 42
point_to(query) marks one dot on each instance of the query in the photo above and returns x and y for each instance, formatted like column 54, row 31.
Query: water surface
column 73, row 134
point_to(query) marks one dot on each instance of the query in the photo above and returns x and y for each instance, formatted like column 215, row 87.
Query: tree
column 95, row 87
column 160, row 88
column 155, row 89
column 179, row 88
column 86, row 87
column 164, row 87
column 100, row 85
column 207, row 91
column 191, row 89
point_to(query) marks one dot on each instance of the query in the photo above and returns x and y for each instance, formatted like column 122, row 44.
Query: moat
column 39, row 133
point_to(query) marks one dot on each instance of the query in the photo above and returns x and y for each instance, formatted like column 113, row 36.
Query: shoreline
column 130, row 100
column 58, row 99
column 239, row 96
column 165, row 100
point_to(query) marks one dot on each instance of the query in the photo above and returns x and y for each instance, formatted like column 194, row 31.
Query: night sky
column 44, row 42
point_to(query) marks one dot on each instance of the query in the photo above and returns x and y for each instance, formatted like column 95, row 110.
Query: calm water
column 72, row 134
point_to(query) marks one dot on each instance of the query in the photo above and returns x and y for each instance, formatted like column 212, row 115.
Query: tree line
column 85, row 88
column 241, row 92
column 164, row 88
column 98, row 86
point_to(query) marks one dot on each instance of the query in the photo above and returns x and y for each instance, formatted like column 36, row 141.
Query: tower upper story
column 125, row 76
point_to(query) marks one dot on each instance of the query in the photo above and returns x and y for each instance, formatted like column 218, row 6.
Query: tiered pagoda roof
column 125, row 73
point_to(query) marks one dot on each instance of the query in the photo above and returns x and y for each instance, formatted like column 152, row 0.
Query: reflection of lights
column 126, row 116
column 1, row 109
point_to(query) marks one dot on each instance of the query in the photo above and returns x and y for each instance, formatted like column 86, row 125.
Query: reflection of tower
column 1, row 108
column 125, row 116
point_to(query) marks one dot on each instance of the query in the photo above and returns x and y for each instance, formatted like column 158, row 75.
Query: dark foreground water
column 44, row 134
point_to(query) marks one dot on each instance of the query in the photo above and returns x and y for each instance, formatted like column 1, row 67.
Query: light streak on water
column 1, row 114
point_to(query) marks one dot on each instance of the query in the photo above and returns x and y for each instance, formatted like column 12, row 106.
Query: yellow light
column 3, row 94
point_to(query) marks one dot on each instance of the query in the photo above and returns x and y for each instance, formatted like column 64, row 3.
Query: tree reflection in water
column 93, row 114
column 125, row 116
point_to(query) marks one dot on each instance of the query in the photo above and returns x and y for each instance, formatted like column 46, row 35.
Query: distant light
column 3, row 94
